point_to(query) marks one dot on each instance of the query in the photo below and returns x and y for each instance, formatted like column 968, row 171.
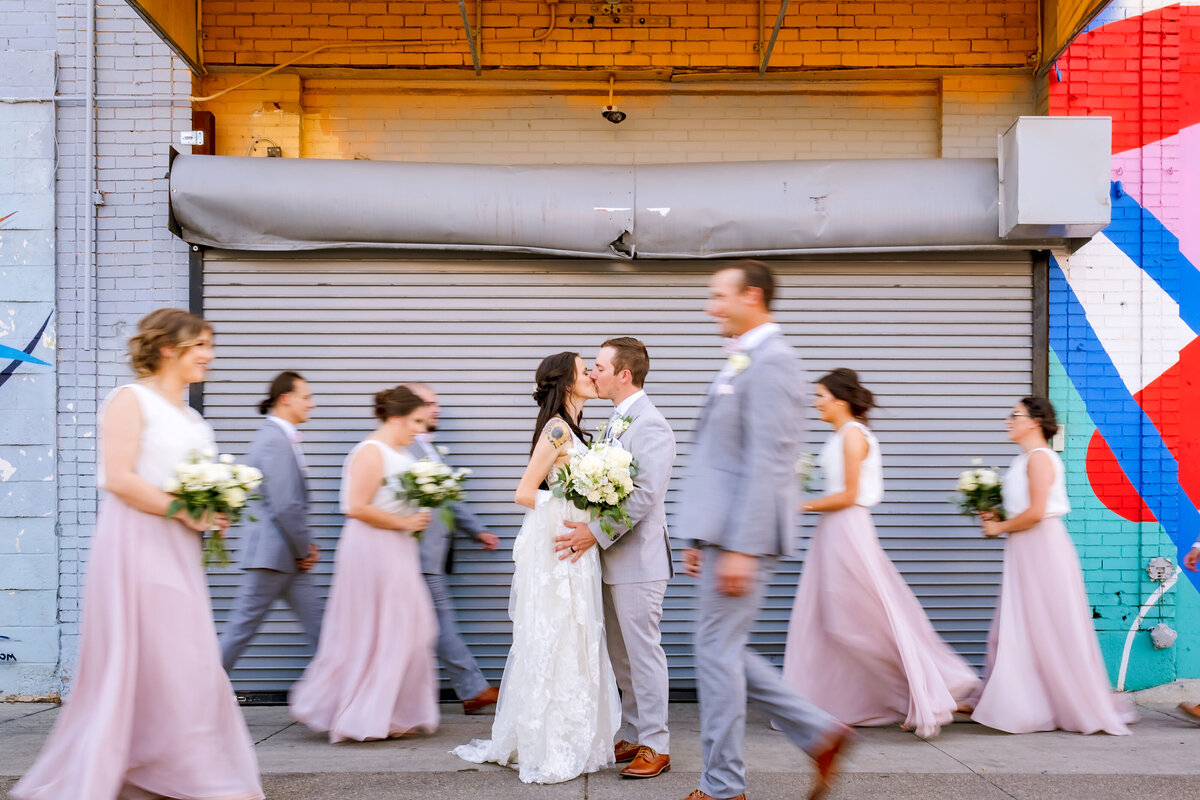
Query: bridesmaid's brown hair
column 166, row 327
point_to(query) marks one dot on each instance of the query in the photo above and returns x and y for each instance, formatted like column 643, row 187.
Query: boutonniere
column 738, row 362
column 619, row 425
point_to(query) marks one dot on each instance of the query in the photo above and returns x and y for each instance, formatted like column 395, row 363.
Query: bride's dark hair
column 554, row 378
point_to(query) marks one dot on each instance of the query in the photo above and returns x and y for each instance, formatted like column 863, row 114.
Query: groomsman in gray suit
column 437, row 559
column 739, row 505
column 635, row 562
column 279, row 553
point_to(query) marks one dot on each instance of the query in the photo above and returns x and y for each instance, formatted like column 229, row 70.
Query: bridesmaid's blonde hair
column 166, row 327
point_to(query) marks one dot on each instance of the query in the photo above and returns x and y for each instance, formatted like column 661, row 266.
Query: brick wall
column 142, row 98
column 460, row 122
column 1130, row 282
column 28, row 490
column 704, row 35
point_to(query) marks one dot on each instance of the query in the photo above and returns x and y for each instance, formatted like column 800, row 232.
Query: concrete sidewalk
column 1161, row 760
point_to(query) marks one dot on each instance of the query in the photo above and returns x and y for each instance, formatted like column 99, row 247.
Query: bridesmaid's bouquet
column 980, row 492
column 597, row 480
column 805, row 464
column 432, row 484
column 203, row 485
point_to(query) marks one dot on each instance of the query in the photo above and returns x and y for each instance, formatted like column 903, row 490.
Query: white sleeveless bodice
column 395, row 464
column 170, row 435
column 1016, row 486
column 833, row 466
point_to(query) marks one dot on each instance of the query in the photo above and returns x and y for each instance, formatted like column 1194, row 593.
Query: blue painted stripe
column 1151, row 245
column 17, row 355
column 1113, row 12
column 1130, row 434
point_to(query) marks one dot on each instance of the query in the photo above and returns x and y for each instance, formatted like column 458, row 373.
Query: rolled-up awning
column 657, row 211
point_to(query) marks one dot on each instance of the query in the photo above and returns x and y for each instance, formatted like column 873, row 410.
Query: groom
column 739, row 505
column 635, row 562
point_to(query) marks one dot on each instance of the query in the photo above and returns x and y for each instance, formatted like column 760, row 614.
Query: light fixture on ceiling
column 610, row 112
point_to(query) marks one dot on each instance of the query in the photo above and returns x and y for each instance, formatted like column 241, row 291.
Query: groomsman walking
column 279, row 553
column 635, row 562
column 437, row 560
column 739, row 505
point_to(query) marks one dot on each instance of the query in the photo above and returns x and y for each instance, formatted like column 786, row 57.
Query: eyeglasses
column 1016, row 414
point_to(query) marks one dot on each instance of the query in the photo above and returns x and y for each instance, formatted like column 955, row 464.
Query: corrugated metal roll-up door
column 945, row 343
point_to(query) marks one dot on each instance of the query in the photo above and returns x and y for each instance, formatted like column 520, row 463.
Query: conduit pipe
column 90, row 312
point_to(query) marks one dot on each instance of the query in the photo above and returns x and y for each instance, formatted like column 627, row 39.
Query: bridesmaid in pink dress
column 859, row 643
column 1044, row 669
column 374, row 675
column 151, row 712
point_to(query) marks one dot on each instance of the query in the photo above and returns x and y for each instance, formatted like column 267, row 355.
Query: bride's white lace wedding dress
column 558, row 712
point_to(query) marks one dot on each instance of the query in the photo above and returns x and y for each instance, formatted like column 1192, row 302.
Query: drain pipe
column 90, row 313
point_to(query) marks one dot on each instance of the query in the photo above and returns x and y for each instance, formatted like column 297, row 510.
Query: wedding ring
column 572, row 549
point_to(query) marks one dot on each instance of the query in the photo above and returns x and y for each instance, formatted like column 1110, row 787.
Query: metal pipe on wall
column 90, row 278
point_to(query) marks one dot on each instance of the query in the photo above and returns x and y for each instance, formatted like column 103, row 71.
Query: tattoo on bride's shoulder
column 558, row 434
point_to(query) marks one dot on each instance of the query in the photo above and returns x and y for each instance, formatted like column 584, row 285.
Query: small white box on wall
column 1054, row 177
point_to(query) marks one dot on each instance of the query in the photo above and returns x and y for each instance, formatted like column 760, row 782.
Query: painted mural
column 1125, row 333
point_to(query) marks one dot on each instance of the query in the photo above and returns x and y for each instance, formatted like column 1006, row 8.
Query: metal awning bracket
column 472, row 41
column 765, row 57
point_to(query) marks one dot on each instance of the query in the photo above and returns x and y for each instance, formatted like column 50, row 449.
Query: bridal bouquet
column 597, row 480
column 432, row 484
column 980, row 491
column 204, row 485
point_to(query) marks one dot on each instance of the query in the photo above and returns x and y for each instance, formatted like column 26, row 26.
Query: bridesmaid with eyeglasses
column 1044, row 670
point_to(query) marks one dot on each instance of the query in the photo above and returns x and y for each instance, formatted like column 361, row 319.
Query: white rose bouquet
column 432, row 484
column 805, row 464
column 203, row 485
column 980, row 492
column 597, row 480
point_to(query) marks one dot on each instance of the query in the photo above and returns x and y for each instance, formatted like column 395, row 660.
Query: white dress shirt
column 293, row 435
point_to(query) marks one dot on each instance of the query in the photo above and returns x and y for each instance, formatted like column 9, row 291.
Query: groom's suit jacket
column 643, row 553
column 437, row 541
column 741, row 489
column 280, row 535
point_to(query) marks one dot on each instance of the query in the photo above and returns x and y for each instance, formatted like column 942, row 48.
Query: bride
column 558, row 711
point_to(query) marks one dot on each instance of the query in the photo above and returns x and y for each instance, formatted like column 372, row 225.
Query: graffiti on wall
column 1126, row 308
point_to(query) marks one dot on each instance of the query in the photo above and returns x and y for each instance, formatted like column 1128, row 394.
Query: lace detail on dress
column 558, row 712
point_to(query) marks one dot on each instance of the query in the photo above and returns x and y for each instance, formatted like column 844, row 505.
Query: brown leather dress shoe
column 699, row 795
column 625, row 751
column 827, row 758
column 479, row 702
column 647, row 764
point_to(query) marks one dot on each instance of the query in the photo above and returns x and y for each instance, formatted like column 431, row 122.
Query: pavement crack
column 30, row 714
column 970, row 769
column 274, row 733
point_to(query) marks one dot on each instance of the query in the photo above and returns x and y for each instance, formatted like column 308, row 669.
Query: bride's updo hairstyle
column 1041, row 411
column 399, row 401
column 553, row 379
column 166, row 327
column 843, row 384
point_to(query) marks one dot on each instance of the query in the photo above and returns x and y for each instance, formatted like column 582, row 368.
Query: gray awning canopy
column 656, row 211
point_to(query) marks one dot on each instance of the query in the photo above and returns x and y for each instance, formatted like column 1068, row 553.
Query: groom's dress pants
column 632, row 612
column 466, row 679
column 729, row 673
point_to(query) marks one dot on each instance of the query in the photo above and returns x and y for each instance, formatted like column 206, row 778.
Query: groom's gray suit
column 636, row 566
column 740, row 496
column 437, row 559
column 277, row 536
